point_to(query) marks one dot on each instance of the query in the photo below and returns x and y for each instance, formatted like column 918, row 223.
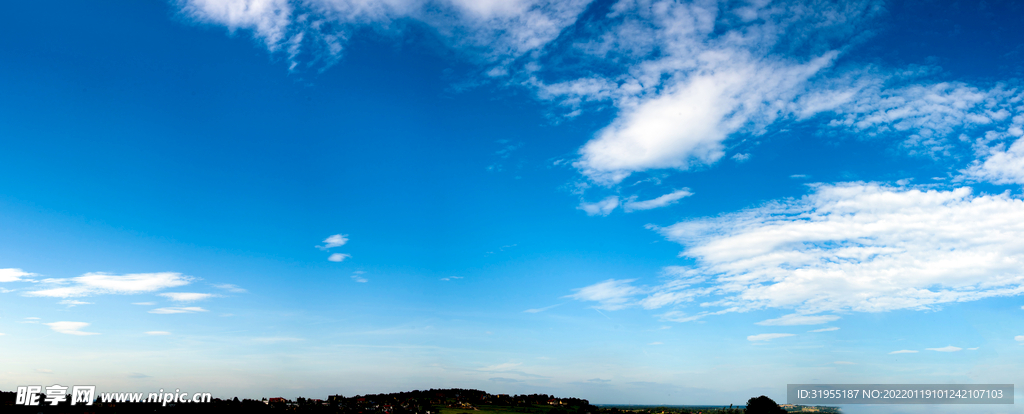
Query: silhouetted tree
column 763, row 405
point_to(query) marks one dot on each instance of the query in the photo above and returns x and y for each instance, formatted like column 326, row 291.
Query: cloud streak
column 104, row 283
column 851, row 247
column 70, row 328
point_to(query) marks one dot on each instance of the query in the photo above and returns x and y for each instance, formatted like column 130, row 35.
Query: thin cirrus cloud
column 539, row 310
column 685, row 77
column 230, row 288
column 72, row 303
column 610, row 295
column 157, row 333
column 949, row 348
column 797, row 319
column 104, row 283
column 829, row 329
column 497, row 30
column 657, row 202
column 70, row 328
column 768, row 337
column 176, row 310
column 854, row 247
column 187, row 296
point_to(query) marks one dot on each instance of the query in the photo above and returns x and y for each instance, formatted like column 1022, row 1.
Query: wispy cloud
column 15, row 275
column 72, row 303
column 830, row 329
column 768, row 336
column 798, row 319
column 338, row 257
column 187, row 296
column 660, row 201
column 230, row 288
column 356, row 277
column 157, row 333
column 144, row 303
column 950, row 348
column 836, row 249
column 450, row 278
column 600, row 208
column 611, row 294
column 103, row 283
column 538, row 310
column 70, row 328
column 334, row 241
column 742, row 157
column 492, row 31
column 173, row 310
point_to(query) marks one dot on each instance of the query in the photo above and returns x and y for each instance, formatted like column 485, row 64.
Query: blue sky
column 646, row 202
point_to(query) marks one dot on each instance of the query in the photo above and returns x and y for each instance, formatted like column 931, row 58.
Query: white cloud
column 684, row 76
column 144, row 303
column 1019, row 338
column 768, row 336
column 660, row 201
column 741, row 157
column 611, row 294
column 851, row 247
column 538, row 310
column 450, row 278
column 70, row 328
column 157, row 333
column 861, row 247
column 173, row 310
column 14, row 275
column 903, row 351
column 687, row 123
column 926, row 116
column 334, row 241
column 338, row 257
column 187, row 296
column 950, row 348
column 1000, row 166
column 829, row 329
column 496, row 30
column 360, row 279
column 71, row 303
column 230, row 288
column 798, row 319
column 103, row 283
column 600, row 208
column 268, row 19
